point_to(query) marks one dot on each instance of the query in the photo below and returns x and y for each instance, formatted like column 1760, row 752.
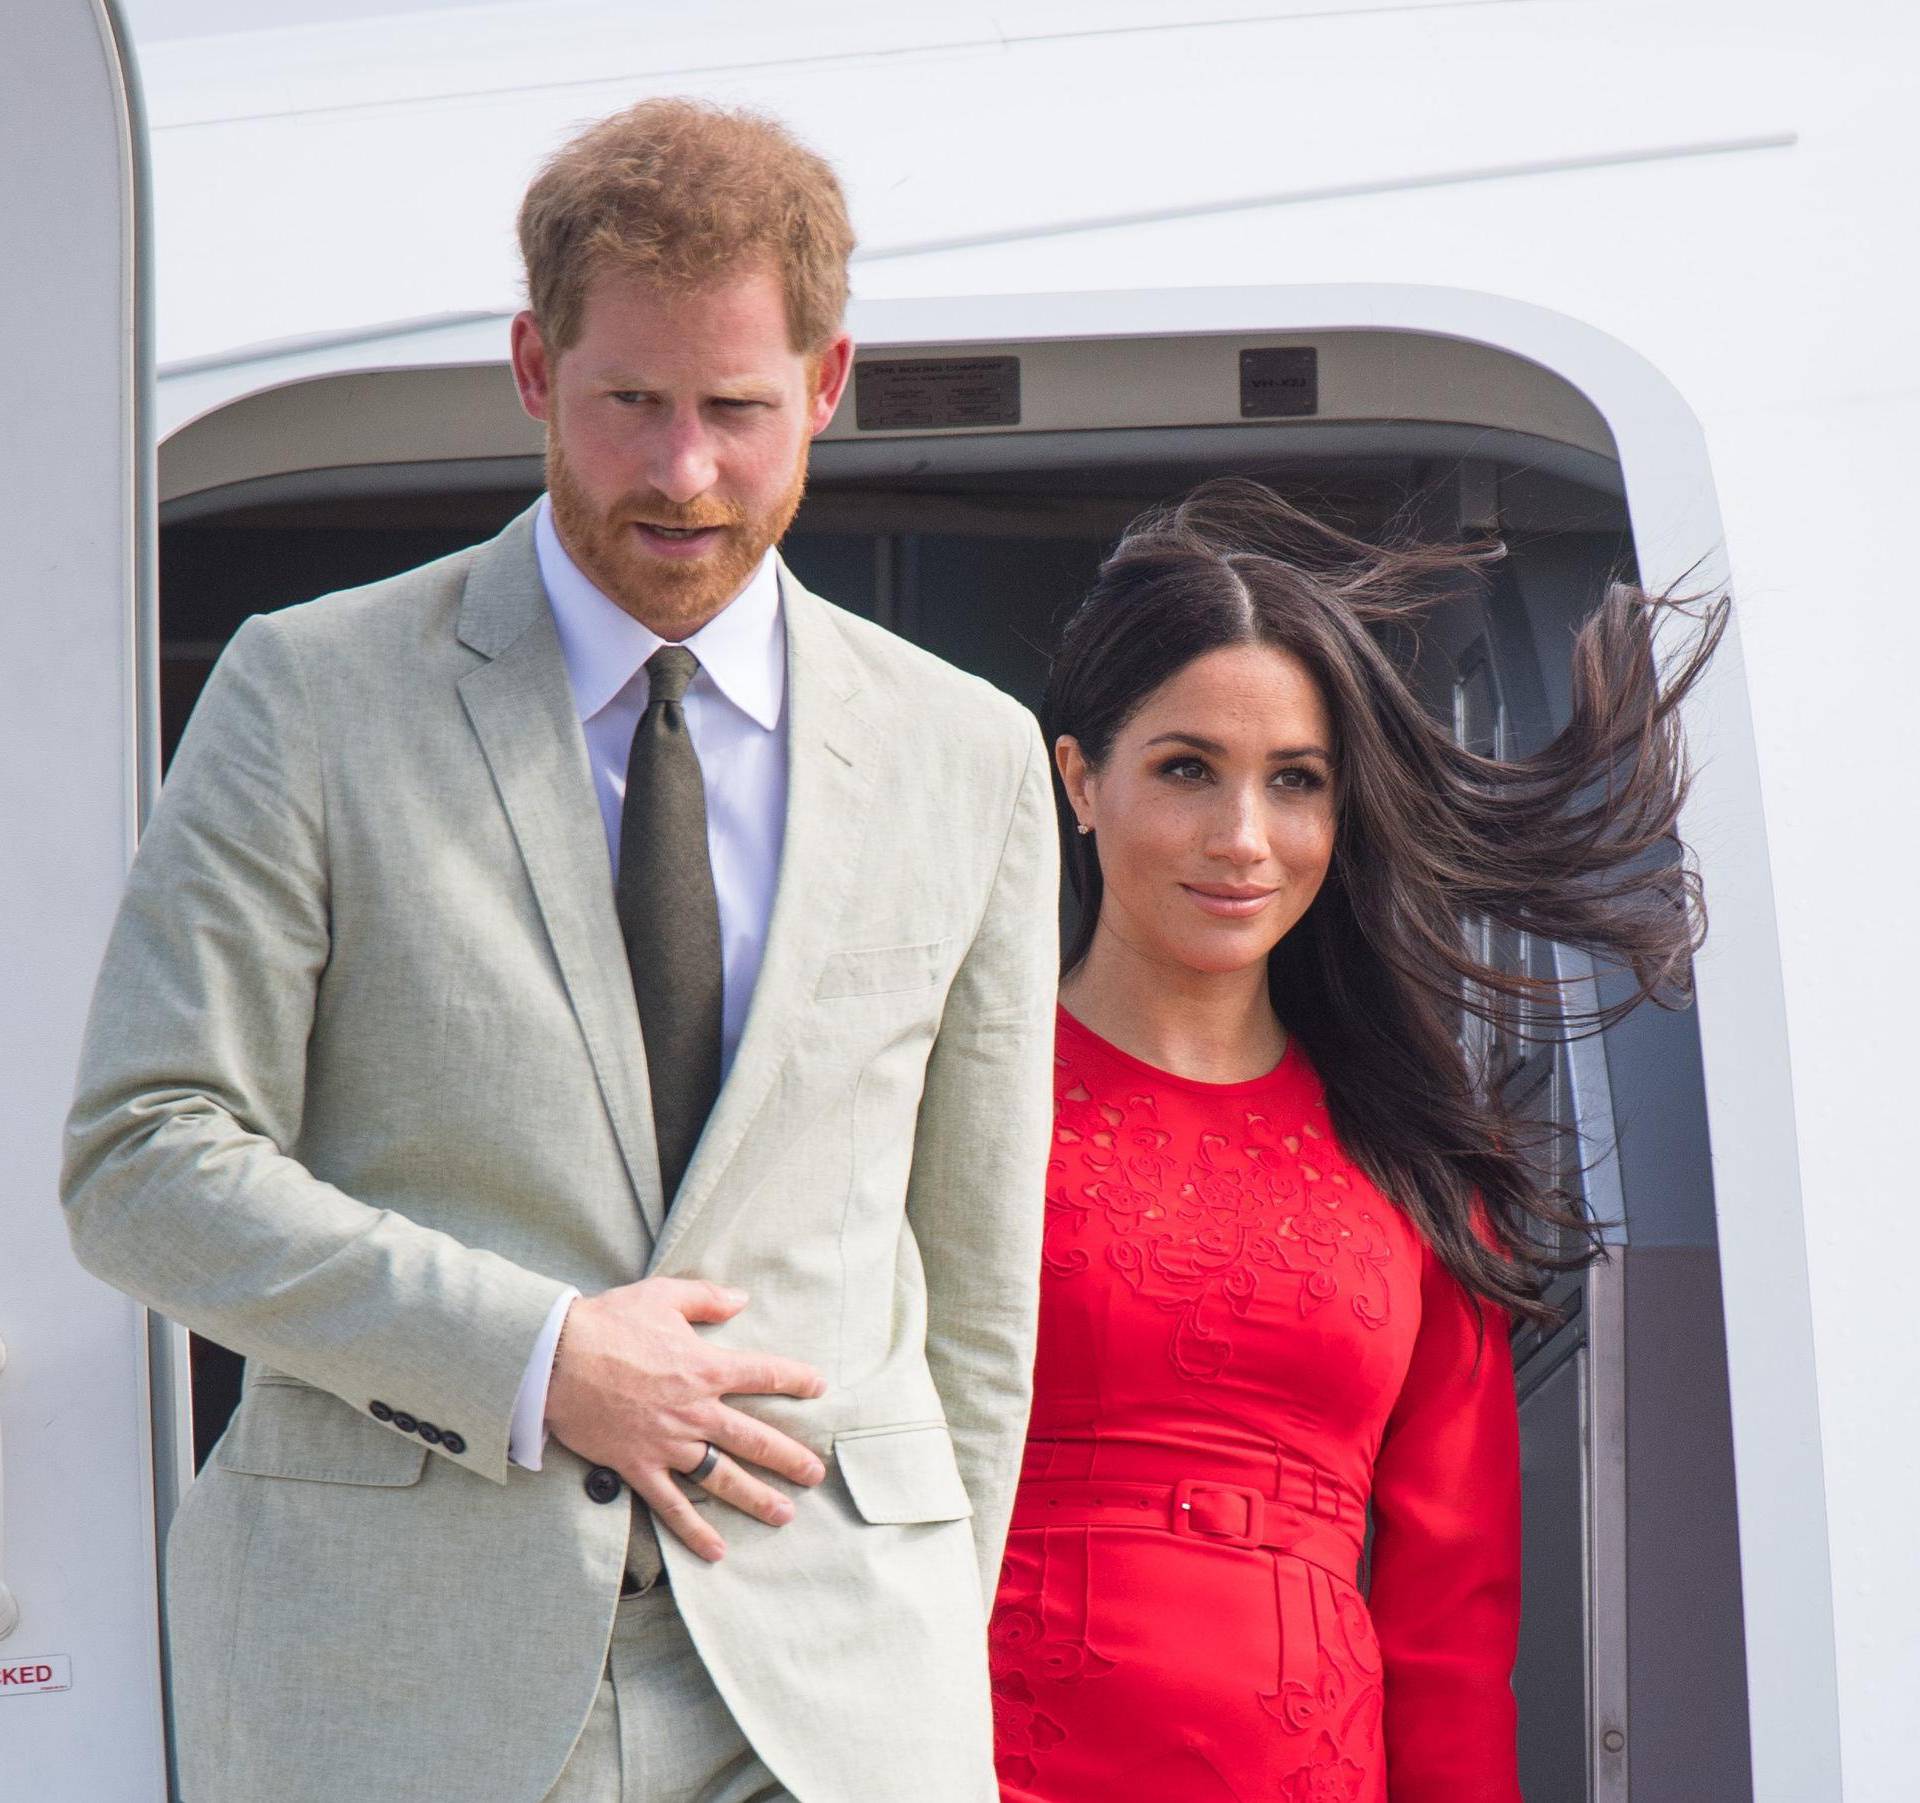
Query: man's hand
column 634, row 1387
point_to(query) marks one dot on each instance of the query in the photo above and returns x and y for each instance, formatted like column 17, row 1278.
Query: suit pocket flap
column 902, row 1474
column 883, row 970
column 284, row 1429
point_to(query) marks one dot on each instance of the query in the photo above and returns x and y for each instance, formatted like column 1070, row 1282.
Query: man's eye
column 735, row 405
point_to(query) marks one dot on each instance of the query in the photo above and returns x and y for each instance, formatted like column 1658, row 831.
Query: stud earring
column 1085, row 828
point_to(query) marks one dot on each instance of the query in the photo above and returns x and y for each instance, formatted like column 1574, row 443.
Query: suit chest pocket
column 897, row 970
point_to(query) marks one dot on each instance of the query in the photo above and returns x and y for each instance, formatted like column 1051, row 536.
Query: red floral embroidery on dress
column 1019, row 1650
column 1197, row 1225
column 1327, row 1778
column 1021, row 1730
column 1341, row 1700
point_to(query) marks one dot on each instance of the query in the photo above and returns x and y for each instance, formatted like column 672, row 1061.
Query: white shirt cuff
column 527, row 1435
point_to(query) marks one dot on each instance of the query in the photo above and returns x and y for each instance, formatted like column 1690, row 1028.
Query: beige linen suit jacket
column 364, row 1086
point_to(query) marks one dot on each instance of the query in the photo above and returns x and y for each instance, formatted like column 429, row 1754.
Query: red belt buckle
column 1190, row 1490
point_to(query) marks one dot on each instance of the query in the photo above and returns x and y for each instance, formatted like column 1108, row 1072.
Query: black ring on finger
column 704, row 1470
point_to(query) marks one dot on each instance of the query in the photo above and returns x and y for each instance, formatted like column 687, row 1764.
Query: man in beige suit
column 579, row 1024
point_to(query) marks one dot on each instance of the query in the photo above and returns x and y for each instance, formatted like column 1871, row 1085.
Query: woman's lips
column 1227, row 901
column 673, row 543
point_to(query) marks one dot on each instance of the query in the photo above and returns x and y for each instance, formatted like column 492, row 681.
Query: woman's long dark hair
column 1574, row 843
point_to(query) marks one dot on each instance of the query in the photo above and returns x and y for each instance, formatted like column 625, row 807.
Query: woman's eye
column 1298, row 778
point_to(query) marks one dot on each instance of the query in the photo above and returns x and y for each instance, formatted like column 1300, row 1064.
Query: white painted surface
column 73, row 1397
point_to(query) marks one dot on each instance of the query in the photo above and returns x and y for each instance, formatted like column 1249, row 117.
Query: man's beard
column 673, row 598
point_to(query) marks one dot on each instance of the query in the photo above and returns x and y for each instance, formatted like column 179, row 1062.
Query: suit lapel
column 522, row 710
column 832, row 726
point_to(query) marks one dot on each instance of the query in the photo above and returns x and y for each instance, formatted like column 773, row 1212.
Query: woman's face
column 1213, row 814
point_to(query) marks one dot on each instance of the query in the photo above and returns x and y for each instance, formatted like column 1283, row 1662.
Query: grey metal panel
column 1607, row 1514
column 1321, row 442
column 486, row 475
column 1686, row 1645
column 1252, row 446
column 1551, row 1678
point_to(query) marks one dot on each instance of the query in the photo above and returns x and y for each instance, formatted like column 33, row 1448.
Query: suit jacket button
column 379, row 1411
column 405, row 1423
column 430, row 1433
column 452, row 1442
column 603, row 1485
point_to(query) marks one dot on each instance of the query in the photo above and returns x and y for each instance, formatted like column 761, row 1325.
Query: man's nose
column 681, row 466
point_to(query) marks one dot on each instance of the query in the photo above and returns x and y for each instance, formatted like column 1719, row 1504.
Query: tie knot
column 669, row 670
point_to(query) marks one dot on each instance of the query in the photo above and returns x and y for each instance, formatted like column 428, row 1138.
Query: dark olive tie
column 669, row 917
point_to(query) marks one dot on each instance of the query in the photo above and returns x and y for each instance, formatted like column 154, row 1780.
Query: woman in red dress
column 1286, row 1227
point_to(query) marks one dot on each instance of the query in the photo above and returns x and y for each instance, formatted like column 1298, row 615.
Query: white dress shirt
column 736, row 718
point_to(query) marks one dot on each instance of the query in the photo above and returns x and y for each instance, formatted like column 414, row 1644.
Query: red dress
column 1242, row 1344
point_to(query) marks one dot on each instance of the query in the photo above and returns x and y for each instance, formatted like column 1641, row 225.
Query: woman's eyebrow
column 1213, row 747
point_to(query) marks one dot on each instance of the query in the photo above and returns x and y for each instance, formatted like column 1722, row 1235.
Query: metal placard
column 928, row 393
column 1279, row 384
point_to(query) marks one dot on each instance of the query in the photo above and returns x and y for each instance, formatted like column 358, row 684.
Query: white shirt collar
column 742, row 648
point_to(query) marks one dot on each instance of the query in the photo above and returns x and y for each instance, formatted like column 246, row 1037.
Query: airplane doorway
column 1631, row 1676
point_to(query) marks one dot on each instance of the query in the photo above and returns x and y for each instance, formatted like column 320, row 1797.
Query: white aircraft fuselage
column 1628, row 283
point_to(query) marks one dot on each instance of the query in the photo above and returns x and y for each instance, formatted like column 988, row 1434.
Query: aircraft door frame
column 1661, row 456
column 82, row 1717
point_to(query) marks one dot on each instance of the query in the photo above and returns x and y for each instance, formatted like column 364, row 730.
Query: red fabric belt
column 1220, row 1514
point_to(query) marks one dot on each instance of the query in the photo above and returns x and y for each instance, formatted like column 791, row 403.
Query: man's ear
column 830, row 367
column 532, row 366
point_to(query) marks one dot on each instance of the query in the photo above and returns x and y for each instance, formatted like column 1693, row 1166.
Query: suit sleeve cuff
column 527, row 1437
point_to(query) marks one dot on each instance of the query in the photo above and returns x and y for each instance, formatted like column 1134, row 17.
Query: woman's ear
column 1074, row 777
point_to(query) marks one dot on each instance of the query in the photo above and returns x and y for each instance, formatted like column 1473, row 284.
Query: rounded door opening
column 972, row 542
